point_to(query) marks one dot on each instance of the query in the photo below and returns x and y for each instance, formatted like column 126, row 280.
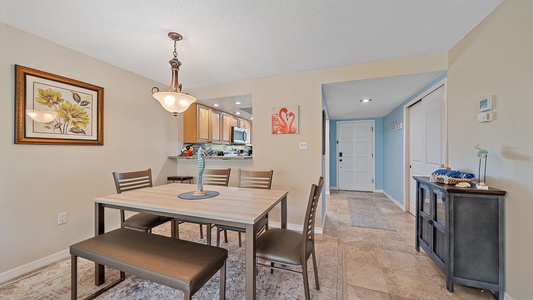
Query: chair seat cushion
column 282, row 246
column 143, row 221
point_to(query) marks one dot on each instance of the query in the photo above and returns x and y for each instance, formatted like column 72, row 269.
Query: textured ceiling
column 226, row 41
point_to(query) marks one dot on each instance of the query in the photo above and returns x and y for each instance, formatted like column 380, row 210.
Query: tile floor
column 383, row 264
column 377, row 264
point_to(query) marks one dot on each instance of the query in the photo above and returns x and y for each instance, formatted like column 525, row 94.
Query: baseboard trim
column 393, row 200
column 33, row 266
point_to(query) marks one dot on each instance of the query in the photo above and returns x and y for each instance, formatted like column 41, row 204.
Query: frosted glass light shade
column 174, row 102
column 42, row 116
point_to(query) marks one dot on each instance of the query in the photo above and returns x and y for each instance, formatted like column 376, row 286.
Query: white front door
column 355, row 155
column 427, row 138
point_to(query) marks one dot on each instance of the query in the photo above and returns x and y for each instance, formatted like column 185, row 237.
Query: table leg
column 251, row 268
column 99, row 271
column 284, row 212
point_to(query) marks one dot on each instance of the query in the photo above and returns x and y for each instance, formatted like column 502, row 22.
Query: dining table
column 231, row 206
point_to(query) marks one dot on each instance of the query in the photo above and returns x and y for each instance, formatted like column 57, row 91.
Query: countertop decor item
column 448, row 176
column 174, row 100
column 201, row 166
column 482, row 155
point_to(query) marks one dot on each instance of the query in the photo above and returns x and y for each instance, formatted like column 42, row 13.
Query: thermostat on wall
column 484, row 117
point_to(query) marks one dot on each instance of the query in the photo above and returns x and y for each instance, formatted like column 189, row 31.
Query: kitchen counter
column 212, row 157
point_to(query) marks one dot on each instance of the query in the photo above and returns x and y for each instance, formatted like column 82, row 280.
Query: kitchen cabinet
column 226, row 123
column 214, row 124
column 198, row 124
column 462, row 231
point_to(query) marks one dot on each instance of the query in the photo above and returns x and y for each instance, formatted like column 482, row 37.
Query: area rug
column 364, row 212
column 53, row 282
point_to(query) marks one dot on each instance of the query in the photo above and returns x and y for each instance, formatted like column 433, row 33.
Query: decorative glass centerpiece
column 482, row 155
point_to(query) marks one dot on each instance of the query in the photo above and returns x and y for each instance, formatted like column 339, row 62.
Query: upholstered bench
column 179, row 264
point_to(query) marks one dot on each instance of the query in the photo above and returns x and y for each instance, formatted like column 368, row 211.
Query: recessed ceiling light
column 215, row 105
column 237, row 103
column 365, row 100
column 237, row 113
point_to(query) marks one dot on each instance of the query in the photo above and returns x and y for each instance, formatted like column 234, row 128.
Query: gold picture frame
column 52, row 109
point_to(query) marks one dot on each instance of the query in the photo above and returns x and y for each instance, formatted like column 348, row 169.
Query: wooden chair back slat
column 132, row 180
column 255, row 179
column 216, row 176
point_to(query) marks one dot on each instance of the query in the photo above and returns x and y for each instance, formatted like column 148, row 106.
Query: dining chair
column 286, row 247
column 128, row 181
column 255, row 180
column 218, row 177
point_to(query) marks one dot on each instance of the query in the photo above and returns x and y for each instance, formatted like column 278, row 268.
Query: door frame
column 406, row 148
column 373, row 149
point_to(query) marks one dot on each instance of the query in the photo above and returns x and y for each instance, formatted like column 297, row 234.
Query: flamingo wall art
column 285, row 119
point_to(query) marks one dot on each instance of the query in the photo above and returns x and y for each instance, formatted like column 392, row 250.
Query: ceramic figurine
column 201, row 166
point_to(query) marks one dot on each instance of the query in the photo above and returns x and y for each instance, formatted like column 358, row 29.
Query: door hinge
column 372, row 154
column 372, row 128
column 372, row 180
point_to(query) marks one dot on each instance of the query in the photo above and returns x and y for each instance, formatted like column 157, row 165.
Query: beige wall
column 39, row 181
column 497, row 59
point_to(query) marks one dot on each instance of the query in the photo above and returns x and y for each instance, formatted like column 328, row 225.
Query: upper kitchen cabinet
column 197, row 124
column 215, row 120
column 227, row 122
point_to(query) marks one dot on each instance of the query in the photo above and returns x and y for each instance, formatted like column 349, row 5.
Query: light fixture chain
column 175, row 51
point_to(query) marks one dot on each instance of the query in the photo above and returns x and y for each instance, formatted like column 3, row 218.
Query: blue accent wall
column 393, row 147
column 378, row 151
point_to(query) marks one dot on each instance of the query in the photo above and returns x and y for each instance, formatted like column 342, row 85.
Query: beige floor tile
column 412, row 285
column 359, row 293
column 366, row 275
column 400, row 261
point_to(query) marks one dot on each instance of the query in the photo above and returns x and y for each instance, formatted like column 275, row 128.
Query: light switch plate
column 484, row 117
column 303, row 145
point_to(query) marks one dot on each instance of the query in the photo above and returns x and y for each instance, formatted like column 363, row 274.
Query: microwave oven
column 238, row 135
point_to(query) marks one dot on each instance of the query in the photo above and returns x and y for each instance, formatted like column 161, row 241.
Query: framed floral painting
column 285, row 119
column 51, row 109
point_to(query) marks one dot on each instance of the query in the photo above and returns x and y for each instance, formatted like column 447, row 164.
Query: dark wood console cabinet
column 462, row 231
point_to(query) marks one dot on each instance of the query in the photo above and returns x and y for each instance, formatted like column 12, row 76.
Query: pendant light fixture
column 174, row 100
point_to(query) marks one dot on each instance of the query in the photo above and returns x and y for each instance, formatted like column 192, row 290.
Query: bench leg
column 201, row 231
column 73, row 277
column 173, row 228
column 208, row 234
column 223, row 282
column 187, row 296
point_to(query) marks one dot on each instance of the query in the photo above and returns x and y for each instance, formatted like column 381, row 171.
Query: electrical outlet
column 62, row 218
